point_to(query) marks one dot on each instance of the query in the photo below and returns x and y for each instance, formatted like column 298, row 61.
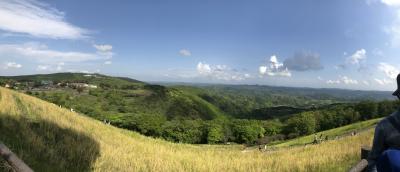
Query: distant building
column 7, row 86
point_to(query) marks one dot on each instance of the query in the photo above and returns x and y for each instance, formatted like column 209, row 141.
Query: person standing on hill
column 385, row 153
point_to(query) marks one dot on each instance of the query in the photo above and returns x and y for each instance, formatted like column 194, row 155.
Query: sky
column 350, row 44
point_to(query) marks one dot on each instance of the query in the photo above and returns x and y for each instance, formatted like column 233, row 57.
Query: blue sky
column 351, row 44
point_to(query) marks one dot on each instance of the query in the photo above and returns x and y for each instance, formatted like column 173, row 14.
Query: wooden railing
column 362, row 165
column 17, row 164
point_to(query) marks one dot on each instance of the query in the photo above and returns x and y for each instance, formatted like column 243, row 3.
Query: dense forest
column 205, row 114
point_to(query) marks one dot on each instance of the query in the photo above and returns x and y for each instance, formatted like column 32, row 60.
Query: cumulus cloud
column 347, row 80
column 274, row 68
column 333, row 82
column 203, row 69
column 383, row 81
column 103, row 48
column 357, row 57
column 220, row 72
column 343, row 80
column 37, row 19
column 45, row 67
column 12, row 65
column 108, row 62
column 42, row 54
column 185, row 52
column 389, row 70
column 303, row 61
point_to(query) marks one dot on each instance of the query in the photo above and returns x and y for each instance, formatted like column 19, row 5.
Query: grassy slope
column 332, row 133
column 49, row 138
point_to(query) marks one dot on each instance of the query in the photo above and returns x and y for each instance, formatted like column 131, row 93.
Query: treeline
column 318, row 120
column 253, row 131
column 178, row 116
column 197, row 131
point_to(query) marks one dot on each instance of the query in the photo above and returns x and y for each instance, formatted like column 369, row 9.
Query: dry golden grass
column 122, row 150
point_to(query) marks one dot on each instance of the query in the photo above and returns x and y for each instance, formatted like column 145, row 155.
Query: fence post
column 17, row 164
column 362, row 165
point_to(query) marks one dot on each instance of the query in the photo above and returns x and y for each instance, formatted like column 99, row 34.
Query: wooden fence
column 17, row 164
column 361, row 166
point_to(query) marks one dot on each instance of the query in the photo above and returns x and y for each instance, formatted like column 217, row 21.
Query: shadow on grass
column 44, row 146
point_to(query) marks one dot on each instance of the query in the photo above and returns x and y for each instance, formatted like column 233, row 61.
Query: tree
column 215, row 134
column 184, row 131
column 301, row 124
column 367, row 109
column 247, row 131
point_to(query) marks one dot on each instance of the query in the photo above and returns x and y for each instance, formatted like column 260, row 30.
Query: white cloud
column 185, row 52
column 40, row 53
column 395, row 3
column 365, row 83
column 43, row 67
column 37, row 19
column 333, row 82
column 389, row 70
column 347, row 80
column 220, row 72
column 203, row 69
column 343, row 79
column 12, row 65
column 275, row 68
column 103, row 48
column 383, row 81
column 357, row 57
column 108, row 62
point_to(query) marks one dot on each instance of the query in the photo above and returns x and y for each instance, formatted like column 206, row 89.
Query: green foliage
column 302, row 124
column 247, row 131
column 272, row 127
column 185, row 131
column 367, row 109
column 215, row 134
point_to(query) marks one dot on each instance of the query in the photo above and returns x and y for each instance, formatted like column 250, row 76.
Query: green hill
column 50, row 138
column 201, row 114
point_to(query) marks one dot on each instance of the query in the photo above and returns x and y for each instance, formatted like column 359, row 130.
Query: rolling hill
column 202, row 113
column 50, row 138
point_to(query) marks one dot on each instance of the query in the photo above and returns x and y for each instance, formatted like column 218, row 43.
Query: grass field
column 332, row 133
column 49, row 138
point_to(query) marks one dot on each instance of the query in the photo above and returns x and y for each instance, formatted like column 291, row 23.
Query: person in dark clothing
column 385, row 153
